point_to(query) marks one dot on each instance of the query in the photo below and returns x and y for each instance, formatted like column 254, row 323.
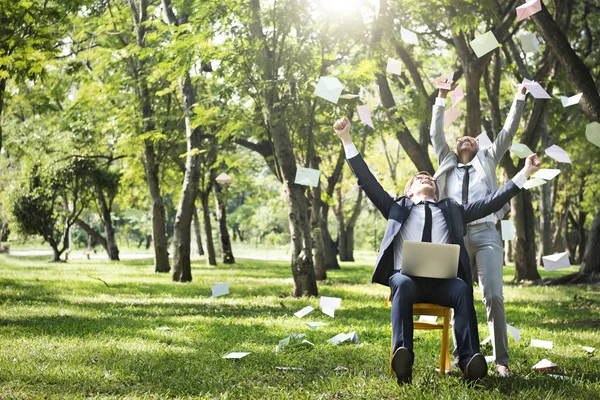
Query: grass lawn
column 64, row 334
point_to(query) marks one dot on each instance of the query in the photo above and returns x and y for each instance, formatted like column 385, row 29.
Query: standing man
column 417, row 216
column 466, row 175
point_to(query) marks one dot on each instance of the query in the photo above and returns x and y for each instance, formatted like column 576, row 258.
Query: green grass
column 64, row 334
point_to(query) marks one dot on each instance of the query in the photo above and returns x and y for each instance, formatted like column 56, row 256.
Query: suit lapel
column 443, row 205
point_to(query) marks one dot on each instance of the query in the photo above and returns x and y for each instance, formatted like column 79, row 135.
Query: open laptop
column 430, row 260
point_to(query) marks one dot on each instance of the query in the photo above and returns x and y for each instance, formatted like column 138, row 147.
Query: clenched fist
column 342, row 129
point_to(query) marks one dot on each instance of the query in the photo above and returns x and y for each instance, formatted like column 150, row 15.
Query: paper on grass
column 528, row 9
column 394, row 67
column 483, row 44
column 588, row 349
column 544, row 344
column 556, row 261
column 531, row 183
column 220, row 289
column 546, row 173
column 329, row 88
column 235, row 355
column 520, row 150
column 163, row 328
column 570, row 101
column 224, row 178
column 563, row 377
column 508, row 229
column 315, row 325
column 451, row 115
column 530, row 43
column 546, row 365
column 592, row 133
column 303, row 312
column 329, row 311
column 364, row 113
column 457, row 95
column 516, row 334
column 339, row 338
column 408, row 37
column 484, row 141
column 535, row 89
column 432, row 319
column 330, row 302
column 558, row 154
column 307, row 176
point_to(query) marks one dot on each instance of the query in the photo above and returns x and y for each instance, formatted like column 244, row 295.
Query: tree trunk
column 210, row 246
column 2, row 88
column 182, row 269
column 546, row 206
column 197, row 232
column 591, row 257
column 315, row 225
column 111, row 244
column 525, row 251
column 93, row 234
column 329, row 246
column 221, row 210
column 577, row 73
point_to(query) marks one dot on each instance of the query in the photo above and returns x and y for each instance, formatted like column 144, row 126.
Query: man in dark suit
column 417, row 216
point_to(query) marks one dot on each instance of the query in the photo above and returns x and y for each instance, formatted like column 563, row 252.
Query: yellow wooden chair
column 434, row 310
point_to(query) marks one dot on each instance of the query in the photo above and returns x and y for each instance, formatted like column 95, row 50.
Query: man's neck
column 465, row 158
column 418, row 198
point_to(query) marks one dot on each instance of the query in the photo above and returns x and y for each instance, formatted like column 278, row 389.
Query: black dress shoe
column 476, row 368
column 402, row 365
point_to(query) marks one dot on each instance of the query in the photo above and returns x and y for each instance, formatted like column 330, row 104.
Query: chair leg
column 445, row 350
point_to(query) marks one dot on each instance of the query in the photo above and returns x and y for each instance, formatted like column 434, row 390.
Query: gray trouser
column 485, row 249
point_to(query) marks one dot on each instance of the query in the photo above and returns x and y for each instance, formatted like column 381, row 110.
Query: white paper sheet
column 483, row 44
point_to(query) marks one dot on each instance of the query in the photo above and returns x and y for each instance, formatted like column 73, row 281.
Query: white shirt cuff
column 520, row 179
column 351, row 150
column 520, row 96
column 440, row 102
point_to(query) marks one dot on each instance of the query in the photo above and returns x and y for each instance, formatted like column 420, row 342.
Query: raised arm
column 495, row 201
column 436, row 130
column 366, row 181
column 507, row 134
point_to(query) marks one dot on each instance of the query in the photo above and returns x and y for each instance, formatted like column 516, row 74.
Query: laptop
column 430, row 260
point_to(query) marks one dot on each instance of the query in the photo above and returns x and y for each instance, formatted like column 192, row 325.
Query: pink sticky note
column 451, row 115
column 364, row 112
column 528, row 9
column 457, row 95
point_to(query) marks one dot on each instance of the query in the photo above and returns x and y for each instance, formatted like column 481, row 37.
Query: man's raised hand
column 342, row 129
column 532, row 164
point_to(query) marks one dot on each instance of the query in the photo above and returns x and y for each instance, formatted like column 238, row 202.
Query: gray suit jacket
column 485, row 162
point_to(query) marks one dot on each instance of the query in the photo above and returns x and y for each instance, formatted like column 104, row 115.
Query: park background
column 117, row 118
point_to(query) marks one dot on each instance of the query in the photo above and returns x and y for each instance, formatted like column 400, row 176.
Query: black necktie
column 465, row 185
column 427, row 229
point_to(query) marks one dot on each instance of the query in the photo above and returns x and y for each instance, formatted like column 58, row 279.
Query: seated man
column 418, row 217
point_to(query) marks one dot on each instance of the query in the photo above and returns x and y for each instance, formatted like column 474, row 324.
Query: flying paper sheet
column 484, row 44
column 516, row 334
column 330, row 302
column 315, row 325
column 224, row 178
column 394, row 66
column 545, row 365
column 432, row 319
column 303, row 312
column 588, row 349
column 592, row 133
column 556, row 261
column 235, row 355
column 451, row 115
column 531, row 183
column 329, row 88
column 484, row 141
column 444, row 81
column 520, row 150
column 546, row 173
column 528, row 9
column 408, row 37
column 558, row 154
column 307, row 177
column 508, row 229
column 364, row 112
column 544, row 344
column 220, row 289
column 456, row 96
column 570, row 101
column 535, row 89
column 370, row 96
column 530, row 43
column 348, row 96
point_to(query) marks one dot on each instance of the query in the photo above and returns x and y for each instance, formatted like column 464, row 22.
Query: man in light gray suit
column 469, row 174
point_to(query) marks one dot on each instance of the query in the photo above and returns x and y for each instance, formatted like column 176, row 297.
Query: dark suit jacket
column 396, row 211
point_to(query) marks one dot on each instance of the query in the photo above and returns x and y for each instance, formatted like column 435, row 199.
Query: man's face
column 468, row 146
column 423, row 185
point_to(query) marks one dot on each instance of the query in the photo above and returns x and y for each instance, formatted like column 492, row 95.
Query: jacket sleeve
column 436, row 131
column 507, row 134
column 491, row 203
column 369, row 184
